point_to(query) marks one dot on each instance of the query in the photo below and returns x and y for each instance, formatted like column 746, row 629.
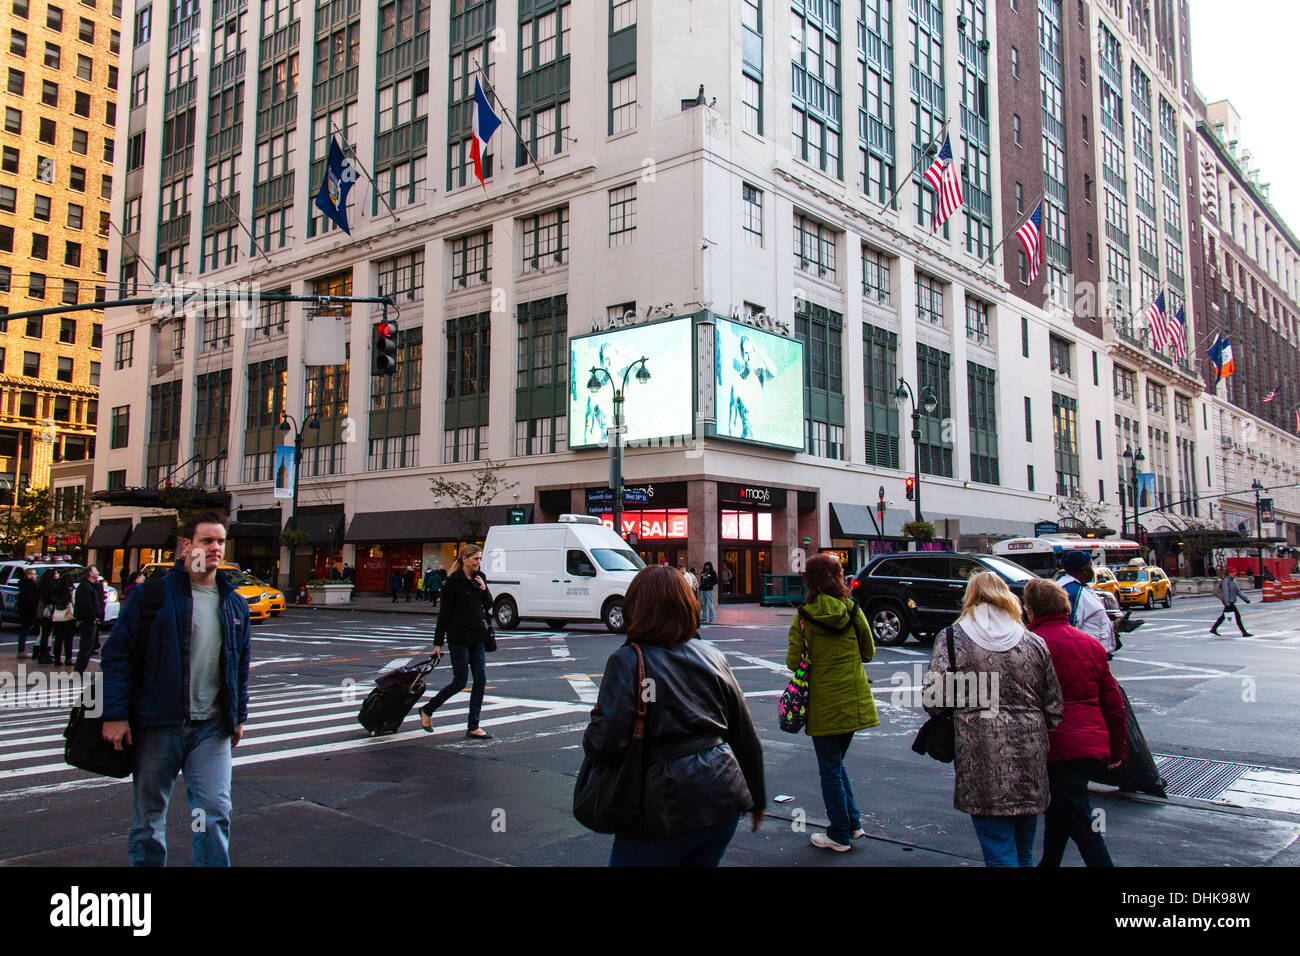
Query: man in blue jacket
column 189, row 712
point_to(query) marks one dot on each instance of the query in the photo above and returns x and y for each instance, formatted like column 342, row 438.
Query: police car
column 12, row 571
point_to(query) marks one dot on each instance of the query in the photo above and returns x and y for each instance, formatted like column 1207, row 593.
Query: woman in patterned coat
column 1004, row 697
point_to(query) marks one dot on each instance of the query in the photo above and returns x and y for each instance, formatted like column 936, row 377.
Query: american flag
column 1158, row 323
column 1178, row 334
column 1031, row 237
column 942, row 175
column 1273, row 394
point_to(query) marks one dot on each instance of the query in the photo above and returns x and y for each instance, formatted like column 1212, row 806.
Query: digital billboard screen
column 759, row 379
column 661, row 408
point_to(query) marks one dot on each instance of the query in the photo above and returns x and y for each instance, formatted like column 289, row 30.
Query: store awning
column 318, row 529
column 152, row 532
column 251, row 529
column 429, row 524
column 859, row 521
column 992, row 527
column 110, row 534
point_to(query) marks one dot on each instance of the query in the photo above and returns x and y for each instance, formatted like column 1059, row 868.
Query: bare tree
column 1082, row 514
column 470, row 498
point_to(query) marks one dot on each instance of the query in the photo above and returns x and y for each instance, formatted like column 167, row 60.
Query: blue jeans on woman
column 201, row 751
column 836, row 791
column 702, row 847
column 1006, row 841
column 706, row 606
column 464, row 659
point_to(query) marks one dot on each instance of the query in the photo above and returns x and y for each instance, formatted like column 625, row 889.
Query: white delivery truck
column 573, row 570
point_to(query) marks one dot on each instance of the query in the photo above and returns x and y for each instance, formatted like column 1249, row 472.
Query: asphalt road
column 312, row 788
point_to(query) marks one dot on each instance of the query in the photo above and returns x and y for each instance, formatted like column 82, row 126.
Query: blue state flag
column 332, row 197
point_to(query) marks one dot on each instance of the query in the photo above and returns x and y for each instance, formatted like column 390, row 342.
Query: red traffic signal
column 911, row 489
column 385, row 351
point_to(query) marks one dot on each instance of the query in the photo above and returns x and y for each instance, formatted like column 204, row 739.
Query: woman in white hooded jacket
column 1004, row 697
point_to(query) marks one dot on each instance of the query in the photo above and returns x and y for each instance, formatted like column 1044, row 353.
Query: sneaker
column 1247, row 634
column 1214, row 631
column 859, row 833
column 822, row 841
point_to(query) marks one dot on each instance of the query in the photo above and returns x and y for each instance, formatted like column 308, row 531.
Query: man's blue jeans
column 706, row 606
column 1006, row 841
column 463, row 659
column 836, row 792
column 201, row 751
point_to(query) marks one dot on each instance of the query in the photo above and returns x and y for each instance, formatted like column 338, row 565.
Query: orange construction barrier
column 1291, row 590
column 1272, row 591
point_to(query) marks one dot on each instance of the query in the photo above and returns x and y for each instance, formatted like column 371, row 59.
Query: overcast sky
column 1245, row 51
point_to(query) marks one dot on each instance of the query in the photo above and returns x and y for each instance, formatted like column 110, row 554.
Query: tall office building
column 56, row 179
column 1249, row 292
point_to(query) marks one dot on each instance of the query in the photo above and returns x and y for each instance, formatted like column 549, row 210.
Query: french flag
column 485, row 124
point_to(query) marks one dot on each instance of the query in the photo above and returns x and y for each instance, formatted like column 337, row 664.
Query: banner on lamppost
column 1266, row 510
column 1146, row 489
column 285, row 475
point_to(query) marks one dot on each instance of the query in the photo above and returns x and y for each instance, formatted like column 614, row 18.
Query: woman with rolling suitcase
column 463, row 623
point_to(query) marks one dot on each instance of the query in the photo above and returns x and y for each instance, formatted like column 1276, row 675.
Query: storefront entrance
column 745, row 539
column 741, row 572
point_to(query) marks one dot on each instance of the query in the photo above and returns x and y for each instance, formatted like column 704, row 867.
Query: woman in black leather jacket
column 704, row 759
column 462, row 621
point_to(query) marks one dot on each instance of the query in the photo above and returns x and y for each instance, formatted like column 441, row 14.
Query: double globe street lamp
column 594, row 385
column 1134, row 464
column 929, row 401
column 313, row 422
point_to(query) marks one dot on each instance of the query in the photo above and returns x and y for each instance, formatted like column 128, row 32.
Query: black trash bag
column 1138, row 772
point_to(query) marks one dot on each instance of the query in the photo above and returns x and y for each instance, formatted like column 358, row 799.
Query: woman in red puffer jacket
column 1093, row 729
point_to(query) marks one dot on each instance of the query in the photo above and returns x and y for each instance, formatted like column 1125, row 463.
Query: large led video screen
column 759, row 385
column 661, row 408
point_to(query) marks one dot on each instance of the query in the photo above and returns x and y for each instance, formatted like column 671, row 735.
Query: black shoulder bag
column 609, row 799
column 937, row 737
column 86, row 748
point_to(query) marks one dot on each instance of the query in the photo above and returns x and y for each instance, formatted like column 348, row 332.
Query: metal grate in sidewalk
column 1234, row 784
column 1197, row 778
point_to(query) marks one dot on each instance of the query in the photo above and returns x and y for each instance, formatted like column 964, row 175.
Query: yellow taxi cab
column 260, row 597
column 1103, row 579
column 1144, row 586
column 277, row 596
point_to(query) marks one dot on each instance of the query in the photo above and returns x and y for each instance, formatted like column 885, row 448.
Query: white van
column 573, row 570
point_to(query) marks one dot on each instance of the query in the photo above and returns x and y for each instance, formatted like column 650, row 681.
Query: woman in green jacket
column 839, row 642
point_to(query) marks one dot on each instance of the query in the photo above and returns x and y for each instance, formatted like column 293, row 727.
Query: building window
column 982, row 397
column 929, row 299
column 1060, row 355
column 752, row 214
column 1015, row 128
column 1125, row 384
column 622, row 215
column 1015, row 63
column 545, row 238
column 402, row 388
column 68, row 331
column 121, row 427
column 123, row 350
column 622, row 104
column 40, row 246
column 32, row 364
column 64, row 373
column 977, row 321
column 1065, row 442
column 395, row 451
column 814, row 247
column 876, row 267
column 816, row 87
column 880, row 376
column 1029, row 420
column 1024, row 336
column 402, row 276
column 470, row 256
column 935, row 449
column 13, row 120
column 85, row 67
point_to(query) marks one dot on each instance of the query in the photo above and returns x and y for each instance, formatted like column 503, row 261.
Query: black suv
column 920, row 592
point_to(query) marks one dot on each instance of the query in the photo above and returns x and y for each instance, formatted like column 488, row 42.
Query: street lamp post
column 594, row 385
column 1257, row 487
column 929, row 402
column 313, row 423
column 1134, row 463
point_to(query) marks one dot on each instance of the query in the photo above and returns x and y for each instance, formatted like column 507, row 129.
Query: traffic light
column 911, row 489
column 385, row 352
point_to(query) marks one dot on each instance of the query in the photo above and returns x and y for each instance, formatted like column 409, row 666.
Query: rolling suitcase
column 395, row 693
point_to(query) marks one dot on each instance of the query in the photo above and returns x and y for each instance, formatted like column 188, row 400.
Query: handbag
column 62, row 614
column 792, row 708
column 86, row 748
column 937, row 737
column 609, row 798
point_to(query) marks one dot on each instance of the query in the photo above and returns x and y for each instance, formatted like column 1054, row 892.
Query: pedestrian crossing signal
column 385, row 354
